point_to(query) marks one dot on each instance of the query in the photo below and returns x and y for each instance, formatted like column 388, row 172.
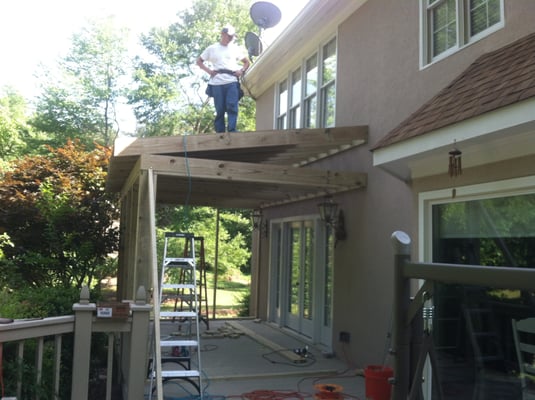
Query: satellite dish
column 265, row 14
column 253, row 44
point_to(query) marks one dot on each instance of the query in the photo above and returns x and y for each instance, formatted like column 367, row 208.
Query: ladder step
column 187, row 373
column 178, row 286
column 178, row 314
column 178, row 262
column 178, row 343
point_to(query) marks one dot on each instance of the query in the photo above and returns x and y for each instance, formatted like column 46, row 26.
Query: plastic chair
column 524, row 336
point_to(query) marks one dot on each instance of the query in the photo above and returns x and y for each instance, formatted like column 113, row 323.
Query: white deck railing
column 126, row 337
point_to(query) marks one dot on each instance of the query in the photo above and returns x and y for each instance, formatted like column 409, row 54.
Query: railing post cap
column 401, row 242
column 141, row 296
column 84, row 295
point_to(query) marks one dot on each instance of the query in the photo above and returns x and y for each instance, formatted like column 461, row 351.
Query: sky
column 39, row 31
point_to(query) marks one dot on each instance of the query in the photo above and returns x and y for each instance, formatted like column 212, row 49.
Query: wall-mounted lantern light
column 333, row 217
column 259, row 223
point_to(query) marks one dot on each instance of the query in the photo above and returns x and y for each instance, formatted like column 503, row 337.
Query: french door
column 301, row 278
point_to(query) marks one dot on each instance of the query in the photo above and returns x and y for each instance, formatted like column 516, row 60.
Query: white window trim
column 462, row 40
column 319, row 101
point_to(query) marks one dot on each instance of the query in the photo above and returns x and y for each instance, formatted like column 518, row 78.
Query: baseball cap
column 229, row 30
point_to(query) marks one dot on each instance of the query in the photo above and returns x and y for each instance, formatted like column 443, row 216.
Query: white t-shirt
column 223, row 57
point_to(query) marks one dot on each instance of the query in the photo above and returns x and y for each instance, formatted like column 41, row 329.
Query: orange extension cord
column 328, row 391
column 325, row 392
column 270, row 395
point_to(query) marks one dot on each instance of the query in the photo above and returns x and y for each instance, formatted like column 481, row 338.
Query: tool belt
column 225, row 71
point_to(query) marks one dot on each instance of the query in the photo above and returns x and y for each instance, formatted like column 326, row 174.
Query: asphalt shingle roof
column 496, row 79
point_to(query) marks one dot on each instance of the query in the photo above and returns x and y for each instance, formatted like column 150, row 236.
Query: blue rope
column 188, row 194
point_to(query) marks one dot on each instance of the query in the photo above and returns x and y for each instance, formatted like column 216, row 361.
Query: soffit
column 500, row 135
column 240, row 169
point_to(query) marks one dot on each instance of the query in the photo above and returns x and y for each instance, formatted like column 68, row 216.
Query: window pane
column 483, row 14
column 281, row 122
column 328, row 288
column 310, row 112
column 503, row 218
column 444, row 26
column 329, row 62
column 329, row 101
column 296, row 87
column 311, row 76
column 491, row 232
column 283, row 97
column 295, row 117
column 282, row 105
column 307, row 272
column 295, row 271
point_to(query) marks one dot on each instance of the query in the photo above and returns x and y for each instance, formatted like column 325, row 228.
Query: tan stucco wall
column 380, row 84
column 266, row 103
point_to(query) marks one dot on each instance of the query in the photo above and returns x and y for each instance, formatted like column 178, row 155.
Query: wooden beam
column 231, row 171
column 354, row 135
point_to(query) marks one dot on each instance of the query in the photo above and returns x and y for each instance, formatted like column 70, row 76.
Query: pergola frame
column 239, row 170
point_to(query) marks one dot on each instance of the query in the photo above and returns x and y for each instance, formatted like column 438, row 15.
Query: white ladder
column 178, row 281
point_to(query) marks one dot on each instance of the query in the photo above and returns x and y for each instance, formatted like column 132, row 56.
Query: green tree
column 59, row 219
column 13, row 124
column 169, row 97
column 234, row 230
column 81, row 100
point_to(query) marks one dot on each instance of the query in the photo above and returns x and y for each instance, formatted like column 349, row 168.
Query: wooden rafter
column 239, row 169
column 214, row 182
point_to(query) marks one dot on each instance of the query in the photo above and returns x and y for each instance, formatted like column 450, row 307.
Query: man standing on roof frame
column 225, row 70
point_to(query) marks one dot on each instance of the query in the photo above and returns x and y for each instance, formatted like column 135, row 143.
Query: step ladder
column 181, row 299
column 176, row 352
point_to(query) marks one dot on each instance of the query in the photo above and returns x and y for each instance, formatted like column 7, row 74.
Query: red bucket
column 377, row 385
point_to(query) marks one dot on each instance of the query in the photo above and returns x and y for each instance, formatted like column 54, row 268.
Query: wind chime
column 455, row 167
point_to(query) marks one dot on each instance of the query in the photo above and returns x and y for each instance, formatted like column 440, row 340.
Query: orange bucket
column 376, row 380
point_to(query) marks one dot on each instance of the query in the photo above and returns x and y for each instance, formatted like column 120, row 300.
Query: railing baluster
column 39, row 363
column 57, row 364
column 20, row 361
column 109, row 367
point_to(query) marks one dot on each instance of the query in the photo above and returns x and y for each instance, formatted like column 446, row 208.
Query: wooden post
column 138, row 360
column 83, row 321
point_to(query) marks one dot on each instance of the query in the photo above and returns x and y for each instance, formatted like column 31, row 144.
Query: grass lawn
column 228, row 296
column 230, row 291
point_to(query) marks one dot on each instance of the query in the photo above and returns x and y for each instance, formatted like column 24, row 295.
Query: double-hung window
column 449, row 25
column 307, row 97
